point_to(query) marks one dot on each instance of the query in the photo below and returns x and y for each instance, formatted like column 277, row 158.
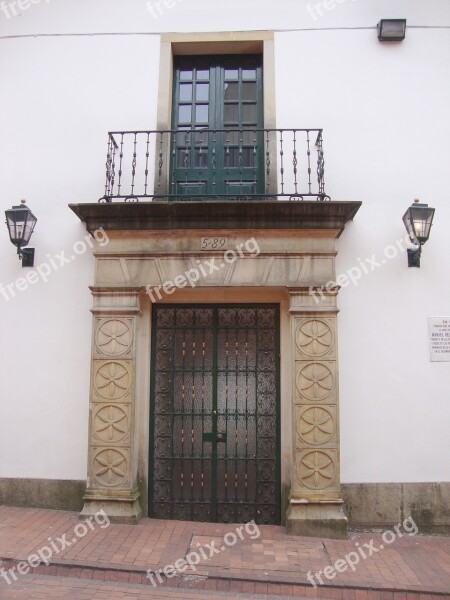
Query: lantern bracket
column 26, row 255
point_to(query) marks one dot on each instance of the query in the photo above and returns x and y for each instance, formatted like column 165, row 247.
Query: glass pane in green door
column 186, row 92
column 249, row 91
column 185, row 113
column 231, row 91
column 202, row 92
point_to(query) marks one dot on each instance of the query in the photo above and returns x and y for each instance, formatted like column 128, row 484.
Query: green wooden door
column 216, row 149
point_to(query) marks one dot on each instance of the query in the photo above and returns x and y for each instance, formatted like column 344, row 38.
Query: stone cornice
column 265, row 215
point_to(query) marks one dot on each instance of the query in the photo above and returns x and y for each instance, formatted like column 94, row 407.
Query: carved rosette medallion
column 110, row 467
column 114, row 337
column 112, row 379
column 315, row 381
column 316, row 470
column 316, row 425
column 111, row 423
column 314, row 338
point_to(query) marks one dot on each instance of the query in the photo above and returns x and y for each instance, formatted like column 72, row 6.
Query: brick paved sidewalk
column 42, row 587
column 272, row 563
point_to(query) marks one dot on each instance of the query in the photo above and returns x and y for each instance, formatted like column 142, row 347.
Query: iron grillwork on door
column 215, row 413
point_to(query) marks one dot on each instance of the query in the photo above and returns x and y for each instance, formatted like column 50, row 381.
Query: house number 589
column 213, row 243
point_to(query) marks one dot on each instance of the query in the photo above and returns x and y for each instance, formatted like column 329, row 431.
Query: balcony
column 215, row 164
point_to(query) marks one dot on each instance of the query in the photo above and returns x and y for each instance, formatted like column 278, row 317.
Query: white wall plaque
column 439, row 332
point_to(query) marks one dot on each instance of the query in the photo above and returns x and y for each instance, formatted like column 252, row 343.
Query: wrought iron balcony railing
column 215, row 164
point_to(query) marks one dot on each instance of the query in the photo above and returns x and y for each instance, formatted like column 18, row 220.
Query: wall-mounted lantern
column 21, row 221
column 391, row 30
column 418, row 220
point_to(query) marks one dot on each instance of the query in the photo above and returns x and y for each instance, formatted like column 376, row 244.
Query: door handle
column 220, row 436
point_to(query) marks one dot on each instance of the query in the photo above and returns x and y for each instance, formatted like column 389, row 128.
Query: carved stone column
column 315, row 504
column 112, row 472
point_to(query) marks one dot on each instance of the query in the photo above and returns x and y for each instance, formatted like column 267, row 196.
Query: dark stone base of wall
column 367, row 505
column 381, row 505
column 43, row 493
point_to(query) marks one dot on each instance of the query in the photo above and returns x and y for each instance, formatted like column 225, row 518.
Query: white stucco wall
column 384, row 110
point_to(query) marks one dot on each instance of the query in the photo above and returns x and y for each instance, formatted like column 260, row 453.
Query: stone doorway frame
column 290, row 267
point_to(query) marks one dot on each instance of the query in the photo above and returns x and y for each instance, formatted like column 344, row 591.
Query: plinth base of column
column 317, row 520
column 119, row 509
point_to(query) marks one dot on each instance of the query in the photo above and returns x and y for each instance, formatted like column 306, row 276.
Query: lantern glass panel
column 408, row 223
column 418, row 220
column 422, row 219
column 20, row 222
